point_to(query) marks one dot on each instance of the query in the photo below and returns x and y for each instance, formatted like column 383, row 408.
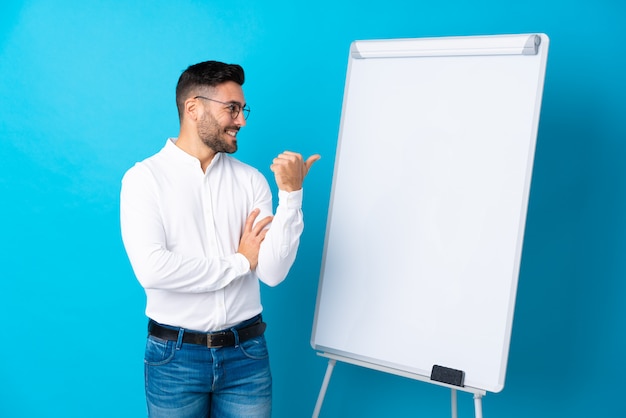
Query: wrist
column 293, row 199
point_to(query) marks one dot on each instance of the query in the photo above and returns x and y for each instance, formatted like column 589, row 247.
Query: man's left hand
column 290, row 169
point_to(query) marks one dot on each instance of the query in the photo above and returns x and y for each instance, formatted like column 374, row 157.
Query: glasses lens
column 246, row 112
column 234, row 110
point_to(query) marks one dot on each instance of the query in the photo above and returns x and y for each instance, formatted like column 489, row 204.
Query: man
column 198, row 228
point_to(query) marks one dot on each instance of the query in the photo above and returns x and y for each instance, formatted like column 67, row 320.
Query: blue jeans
column 193, row 381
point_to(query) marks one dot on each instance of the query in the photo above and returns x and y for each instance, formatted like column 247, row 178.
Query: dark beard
column 210, row 132
column 219, row 145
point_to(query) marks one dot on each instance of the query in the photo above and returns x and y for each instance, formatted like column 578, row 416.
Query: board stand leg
column 454, row 403
column 322, row 394
column 478, row 405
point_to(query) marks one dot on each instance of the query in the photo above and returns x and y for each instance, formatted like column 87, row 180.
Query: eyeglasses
column 234, row 107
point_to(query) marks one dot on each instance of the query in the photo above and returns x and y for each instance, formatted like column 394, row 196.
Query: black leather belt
column 211, row 339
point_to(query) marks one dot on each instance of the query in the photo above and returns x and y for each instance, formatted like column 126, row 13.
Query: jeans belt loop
column 179, row 341
column 236, row 335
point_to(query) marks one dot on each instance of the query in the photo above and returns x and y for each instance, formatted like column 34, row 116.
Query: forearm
column 158, row 268
column 278, row 250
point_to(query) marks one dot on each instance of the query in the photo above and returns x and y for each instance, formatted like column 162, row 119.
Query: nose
column 240, row 120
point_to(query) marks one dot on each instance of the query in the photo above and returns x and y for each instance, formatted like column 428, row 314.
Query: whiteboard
column 428, row 204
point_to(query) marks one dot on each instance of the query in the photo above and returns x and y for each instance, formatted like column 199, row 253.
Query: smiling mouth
column 232, row 132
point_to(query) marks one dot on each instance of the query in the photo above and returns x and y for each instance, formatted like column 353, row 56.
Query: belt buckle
column 213, row 339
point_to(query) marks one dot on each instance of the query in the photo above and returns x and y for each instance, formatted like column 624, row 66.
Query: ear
column 191, row 109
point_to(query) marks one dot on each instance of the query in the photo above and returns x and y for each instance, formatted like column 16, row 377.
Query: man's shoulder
column 242, row 172
column 149, row 163
column 237, row 164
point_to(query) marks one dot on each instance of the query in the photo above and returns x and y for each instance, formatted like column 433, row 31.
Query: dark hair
column 205, row 74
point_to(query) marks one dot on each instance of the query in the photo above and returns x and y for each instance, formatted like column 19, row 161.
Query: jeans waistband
column 244, row 331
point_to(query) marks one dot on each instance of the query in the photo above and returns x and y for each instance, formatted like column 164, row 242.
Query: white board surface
column 428, row 205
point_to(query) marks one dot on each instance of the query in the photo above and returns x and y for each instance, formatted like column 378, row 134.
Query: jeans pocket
column 255, row 348
column 159, row 351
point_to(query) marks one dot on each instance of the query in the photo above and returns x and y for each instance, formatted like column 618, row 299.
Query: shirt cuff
column 241, row 263
column 292, row 200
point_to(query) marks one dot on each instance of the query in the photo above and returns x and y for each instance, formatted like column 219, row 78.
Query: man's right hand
column 253, row 236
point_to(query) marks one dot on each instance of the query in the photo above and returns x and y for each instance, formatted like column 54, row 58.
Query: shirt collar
column 182, row 157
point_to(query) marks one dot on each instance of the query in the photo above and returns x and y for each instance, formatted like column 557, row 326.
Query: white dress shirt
column 181, row 229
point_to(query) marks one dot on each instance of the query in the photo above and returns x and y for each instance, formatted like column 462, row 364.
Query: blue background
column 87, row 89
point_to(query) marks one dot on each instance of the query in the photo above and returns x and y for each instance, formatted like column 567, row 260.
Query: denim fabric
column 193, row 381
